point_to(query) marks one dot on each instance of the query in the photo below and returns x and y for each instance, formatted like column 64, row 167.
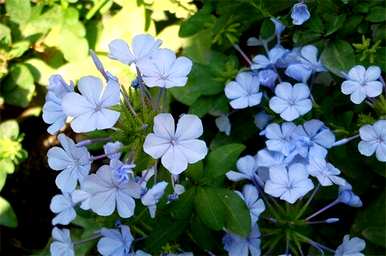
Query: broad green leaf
column 338, row 57
column 183, row 207
column 214, row 105
column 335, row 23
column 380, row 58
column 267, row 29
column 40, row 70
column 18, row 49
column 377, row 14
column 19, row 11
column 9, row 129
column 201, row 235
column 371, row 220
column 209, row 208
column 7, row 215
column 222, row 159
column 18, row 86
column 199, row 21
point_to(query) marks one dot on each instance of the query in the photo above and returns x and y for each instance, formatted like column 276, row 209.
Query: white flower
column 165, row 70
column 176, row 147
column 62, row 244
column 373, row 139
column 244, row 92
column 142, row 46
column 288, row 184
column 325, row 172
column 362, row 83
column 351, row 247
column 63, row 206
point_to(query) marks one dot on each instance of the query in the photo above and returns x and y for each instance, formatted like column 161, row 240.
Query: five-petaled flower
column 300, row 13
column 351, row 247
column 115, row 241
column 176, row 147
column 373, row 139
column 62, row 244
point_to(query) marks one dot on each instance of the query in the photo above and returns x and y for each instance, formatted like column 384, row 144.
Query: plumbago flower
column 300, row 14
column 91, row 109
column 236, row 245
column 176, row 147
column 291, row 101
column 142, row 47
column 351, row 247
column 246, row 167
column 279, row 137
column 52, row 110
column 108, row 194
column 73, row 163
column 373, row 139
column 274, row 55
column 244, row 92
column 256, row 206
column 325, row 172
column 362, row 83
column 288, row 183
column 63, row 206
column 62, row 244
column 115, row 242
column 152, row 196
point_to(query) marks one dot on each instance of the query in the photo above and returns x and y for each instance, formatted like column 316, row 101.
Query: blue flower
column 244, row 92
column 373, row 139
column 291, row 101
column 262, row 119
column 279, row 137
column 256, row 206
column 243, row 246
column 123, row 173
column 223, row 124
column 267, row 77
column 152, row 196
column 274, row 55
column 62, row 244
column 362, row 83
column 113, row 149
column 304, row 63
column 300, row 14
column 246, row 167
column 347, row 196
column 91, row 109
column 52, row 110
column 288, row 183
column 265, row 159
column 108, row 194
column 326, row 173
column 351, row 247
column 312, row 139
column 73, row 162
column 82, row 197
column 279, row 28
column 115, row 242
column 63, row 206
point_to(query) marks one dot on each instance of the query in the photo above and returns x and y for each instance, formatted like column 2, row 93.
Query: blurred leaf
column 19, row 11
column 40, row 70
column 335, row 23
column 7, row 216
column 214, row 105
column 6, row 167
column 338, row 57
column 380, row 58
column 9, row 129
column 267, row 29
column 199, row 21
column 377, row 14
column 201, row 235
column 18, row 49
column 18, row 87
column 3, row 175
column 183, row 207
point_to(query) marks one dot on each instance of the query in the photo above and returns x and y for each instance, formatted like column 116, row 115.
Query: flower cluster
column 112, row 182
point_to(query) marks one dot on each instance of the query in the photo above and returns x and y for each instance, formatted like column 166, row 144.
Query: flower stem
column 237, row 47
column 92, row 141
column 308, row 201
column 335, row 202
column 345, row 140
column 91, row 238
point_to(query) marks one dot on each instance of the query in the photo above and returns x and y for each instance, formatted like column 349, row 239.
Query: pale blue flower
column 82, row 197
column 91, row 109
column 142, row 47
column 288, row 183
column 267, row 77
column 262, row 119
column 223, row 124
column 107, row 194
column 177, row 191
column 291, row 101
column 300, row 14
column 165, row 70
column 305, row 63
column 246, row 167
column 61, row 243
column 63, row 207
column 279, row 28
column 52, row 110
column 347, row 196
column 115, row 242
column 279, row 137
column 256, row 206
column 265, row 159
column 326, row 173
column 236, row 245
column 362, row 83
column 113, row 149
column 351, row 247
column 312, row 139
column 123, row 172
column 373, row 139
column 152, row 196
column 274, row 55
column 244, row 92
column 73, row 163
column 176, row 147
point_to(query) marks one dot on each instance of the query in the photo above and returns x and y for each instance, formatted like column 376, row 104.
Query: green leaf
column 214, row 105
column 371, row 220
column 19, row 11
column 9, row 129
column 209, row 208
column 6, row 166
column 222, row 159
column 335, row 23
column 7, row 216
column 267, row 29
column 380, row 58
column 199, row 21
column 338, row 57
column 377, row 14
column 18, row 49
column 183, row 207
column 201, row 235
column 18, row 87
